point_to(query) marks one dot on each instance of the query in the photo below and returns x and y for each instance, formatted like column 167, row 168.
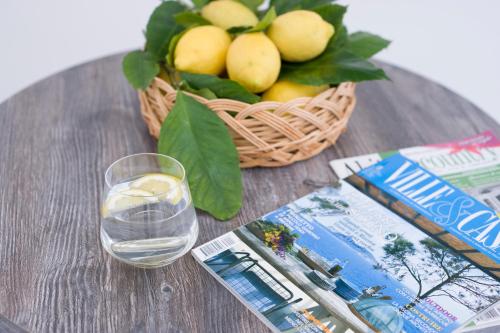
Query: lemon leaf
column 252, row 4
column 206, row 93
column 283, row 6
column 162, row 27
column 197, row 137
column 338, row 63
column 223, row 88
column 332, row 67
column 203, row 92
column 140, row 68
column 333, row 14
column 339, row 39
column 171, row 48
column 365, row 44
column 265, row 22
column 190, row 19
column 238, row 30
column 200, row 3
column 262, row 25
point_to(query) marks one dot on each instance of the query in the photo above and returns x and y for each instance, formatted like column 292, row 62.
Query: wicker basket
column 293, row 131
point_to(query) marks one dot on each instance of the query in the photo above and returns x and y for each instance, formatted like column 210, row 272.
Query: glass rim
column 121, row 159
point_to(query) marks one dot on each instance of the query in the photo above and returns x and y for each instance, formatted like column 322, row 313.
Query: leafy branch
column 192, row 132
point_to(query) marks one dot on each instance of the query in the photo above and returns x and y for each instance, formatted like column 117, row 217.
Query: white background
column 454, row 42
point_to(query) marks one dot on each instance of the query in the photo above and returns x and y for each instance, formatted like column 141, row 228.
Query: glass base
column 159, row 257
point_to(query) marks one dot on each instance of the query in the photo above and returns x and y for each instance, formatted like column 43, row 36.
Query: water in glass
column 148, row 220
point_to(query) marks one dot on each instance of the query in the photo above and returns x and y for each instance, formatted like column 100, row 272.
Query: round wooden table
column 58, row 136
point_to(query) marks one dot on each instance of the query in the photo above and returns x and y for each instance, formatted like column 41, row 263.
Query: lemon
column 164, row 186
column 300, row 35
column 284, row 91
column 202, row 50
column 228, row 14
column 126, row 199
column 253, row 61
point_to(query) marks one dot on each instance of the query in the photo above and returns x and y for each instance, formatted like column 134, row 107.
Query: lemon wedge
column 126, row 199
column 164, row 186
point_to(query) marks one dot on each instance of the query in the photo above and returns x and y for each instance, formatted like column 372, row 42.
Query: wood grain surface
column 58, row 136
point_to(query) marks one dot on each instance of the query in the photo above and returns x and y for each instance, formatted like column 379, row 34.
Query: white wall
column 454, row 42
column 41, row 37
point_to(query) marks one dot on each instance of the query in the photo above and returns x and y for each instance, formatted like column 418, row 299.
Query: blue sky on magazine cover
column 357, row 235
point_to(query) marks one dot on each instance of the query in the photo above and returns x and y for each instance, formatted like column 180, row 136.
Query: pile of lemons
column 253, row 59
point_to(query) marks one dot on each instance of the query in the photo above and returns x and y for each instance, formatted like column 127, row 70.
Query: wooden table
column 58, row 136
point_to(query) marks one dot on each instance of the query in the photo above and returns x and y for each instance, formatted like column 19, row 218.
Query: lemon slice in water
column 126, row 199
column 164, row 186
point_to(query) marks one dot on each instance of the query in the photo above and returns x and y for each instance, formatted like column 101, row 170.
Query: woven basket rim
column 159, row 79
column 266, row 133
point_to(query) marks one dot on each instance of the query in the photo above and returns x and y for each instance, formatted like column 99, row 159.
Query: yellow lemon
column 202, row 50
column 227, row 14
column 284, row 91
column 126, row 199
column 300, row 35
column 253, row 61
column 164, row 186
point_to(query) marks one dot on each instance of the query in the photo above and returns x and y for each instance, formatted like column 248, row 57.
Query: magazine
column 472, row 164
column 390, row 249
column 485, row 322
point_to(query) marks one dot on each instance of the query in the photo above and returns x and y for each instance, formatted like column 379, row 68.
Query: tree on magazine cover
column 449, row 274
column 326, row 207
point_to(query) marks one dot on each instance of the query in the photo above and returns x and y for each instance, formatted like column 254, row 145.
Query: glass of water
column 148, row 218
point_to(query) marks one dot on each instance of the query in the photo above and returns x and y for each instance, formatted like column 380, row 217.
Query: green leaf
column 265, row 22
column 339, row 39
column 203, row 92
column 310, row 4
column 171, row 48
column 283, row 6
column 197, row 137
column 252, row 4
column 223, row 88
column 332, row 67
column 162, row 27
column 365, row 45
column 140, row 68
column 337, row 63
column 206, row 93
column 200, row 3
column 260, row 26
column 333, row 14
column 238, row 30
column 190, row 19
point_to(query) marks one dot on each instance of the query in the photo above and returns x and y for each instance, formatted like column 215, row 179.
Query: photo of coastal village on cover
column 338, row 261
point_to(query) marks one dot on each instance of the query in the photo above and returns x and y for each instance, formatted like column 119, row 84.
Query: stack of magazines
column 405, row 241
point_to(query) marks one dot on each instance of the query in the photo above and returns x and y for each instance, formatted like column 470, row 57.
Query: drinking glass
column 148, row 218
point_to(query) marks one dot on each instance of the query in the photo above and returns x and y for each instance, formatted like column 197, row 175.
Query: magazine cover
column 472, row 164
column 393, row 249
column 485, row 322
